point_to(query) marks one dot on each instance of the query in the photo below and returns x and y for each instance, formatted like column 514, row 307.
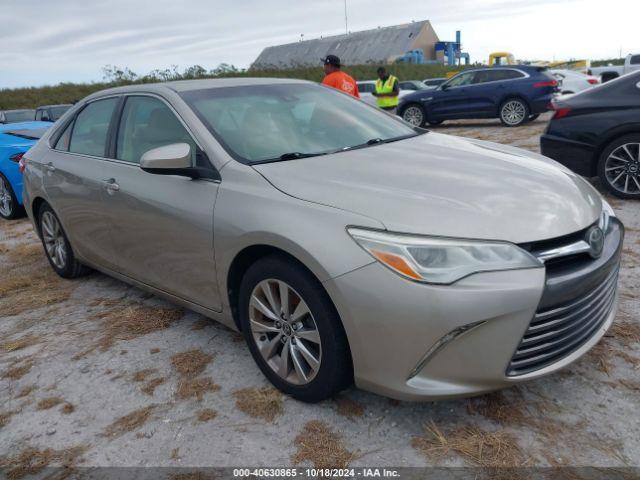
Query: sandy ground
column 94, row 372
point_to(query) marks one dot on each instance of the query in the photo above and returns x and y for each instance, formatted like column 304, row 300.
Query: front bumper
column 393, row 323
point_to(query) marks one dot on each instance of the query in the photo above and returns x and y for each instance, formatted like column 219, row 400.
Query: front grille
column 558, row 331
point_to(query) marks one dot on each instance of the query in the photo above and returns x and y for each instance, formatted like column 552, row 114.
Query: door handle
column 50, row 168
column 111, row 185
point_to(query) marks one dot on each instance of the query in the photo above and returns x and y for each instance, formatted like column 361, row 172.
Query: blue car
column 513, row 93
column 15, row 140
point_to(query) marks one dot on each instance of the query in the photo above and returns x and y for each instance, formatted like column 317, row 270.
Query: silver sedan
column 345, row 244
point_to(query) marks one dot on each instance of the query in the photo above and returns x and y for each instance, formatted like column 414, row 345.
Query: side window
column 38, row 115
column 484, row 76
column 462, row 79
column 148, row 123
column 63, row 141
column 45, row 116
column 89, row 135
column 510, row 74
column 635, row 60
column 407, row 86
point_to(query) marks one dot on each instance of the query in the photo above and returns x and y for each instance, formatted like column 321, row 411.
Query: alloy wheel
column 622, row 169
column 513, row 112
column 54, row 241
column 413, row 115
column 6, row 202
column 285, row 331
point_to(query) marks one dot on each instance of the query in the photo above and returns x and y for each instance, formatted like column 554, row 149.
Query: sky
column 47, row 42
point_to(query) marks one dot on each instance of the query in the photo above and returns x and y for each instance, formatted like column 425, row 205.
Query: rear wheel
column 514, row 112
column 9, row 207
column 414, row 114
column 619, row 167
column 57, row 247
column 293, row 330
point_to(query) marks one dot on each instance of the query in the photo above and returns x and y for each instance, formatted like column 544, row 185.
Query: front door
column 161, row 225
column 73, row 181
column 451, row 100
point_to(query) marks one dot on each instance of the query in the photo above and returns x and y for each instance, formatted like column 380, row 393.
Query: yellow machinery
column 501, row 58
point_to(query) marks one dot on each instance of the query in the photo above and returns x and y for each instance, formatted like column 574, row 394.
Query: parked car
column 514, row 94
column 15, row 140
column 412, row 85
column 366, row 87
column 51, row 113
column 14, row 116
column 343, row 243
column 597, row 133
column 570, row 81
column 609, row 72
column 434, row 82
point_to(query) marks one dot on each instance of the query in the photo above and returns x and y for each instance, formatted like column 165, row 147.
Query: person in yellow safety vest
column 387, row 91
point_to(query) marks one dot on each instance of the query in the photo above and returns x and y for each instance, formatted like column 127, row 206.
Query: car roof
column 57, row 105
column 188, row 85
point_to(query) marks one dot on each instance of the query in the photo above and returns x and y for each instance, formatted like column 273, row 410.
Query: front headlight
column 441, row 260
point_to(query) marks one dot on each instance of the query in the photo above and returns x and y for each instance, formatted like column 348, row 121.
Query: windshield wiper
column 296, row 155
column 378, row 141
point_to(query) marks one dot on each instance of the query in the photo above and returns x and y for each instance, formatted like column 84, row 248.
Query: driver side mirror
column 444, row 86
column 174, row 159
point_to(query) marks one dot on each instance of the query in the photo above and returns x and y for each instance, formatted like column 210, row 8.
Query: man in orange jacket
column 336, row 78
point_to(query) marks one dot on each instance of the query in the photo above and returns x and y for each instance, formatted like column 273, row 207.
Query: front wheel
column 514, row 112
column 9, row 207
column 57, row 247
column 619, row 167
column 414, row 114
column 293, row 330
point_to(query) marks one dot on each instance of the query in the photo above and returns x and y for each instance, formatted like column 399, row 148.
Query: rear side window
column 89, row 135
column 148, row 123
column 63, row 140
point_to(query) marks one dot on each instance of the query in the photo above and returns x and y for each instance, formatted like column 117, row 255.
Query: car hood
column 448, row 186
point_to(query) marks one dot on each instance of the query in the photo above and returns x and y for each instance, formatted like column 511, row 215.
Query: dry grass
column 191, row 363
column 150, row 387
column 26, row 391
column 6, row 416
column 321, row 446
column 17, row 370
column 474, row 445
column 31, row 461
column 49, row 402
column 626, row 332
column 129, row 422
column 196, row 388
column 67, row 408
column 206, row 414
column 129, row 322
column 264, row 402
column 201, row 324
column 153, row 351
column 349, row 408
column 141, row 375
column 24, row 342
column 33, row 283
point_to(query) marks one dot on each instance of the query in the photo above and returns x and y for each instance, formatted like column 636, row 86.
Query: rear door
column 73, row 181
column 161, row 225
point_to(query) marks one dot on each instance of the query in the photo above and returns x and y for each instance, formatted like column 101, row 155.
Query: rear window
column 19, row 116
column 635, row 60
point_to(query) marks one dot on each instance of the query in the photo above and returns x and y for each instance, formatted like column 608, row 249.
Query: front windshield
column 19, row 116
column 273, row 122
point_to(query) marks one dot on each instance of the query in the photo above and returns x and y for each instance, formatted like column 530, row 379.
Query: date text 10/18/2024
column 315, row 472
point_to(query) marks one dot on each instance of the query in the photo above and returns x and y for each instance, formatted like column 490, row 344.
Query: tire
column 10, row 209
column 533, row 118
column 318, row 332
column 619, row 167
column 435, row 122
column 514, row 112
column 56, row 245
column 414, row 114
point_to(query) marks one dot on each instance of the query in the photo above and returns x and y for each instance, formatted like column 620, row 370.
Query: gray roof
column 358, row 48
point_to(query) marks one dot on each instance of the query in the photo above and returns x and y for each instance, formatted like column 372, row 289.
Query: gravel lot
column 94, row 372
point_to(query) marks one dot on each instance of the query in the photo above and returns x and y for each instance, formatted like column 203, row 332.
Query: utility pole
column 346, row 23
